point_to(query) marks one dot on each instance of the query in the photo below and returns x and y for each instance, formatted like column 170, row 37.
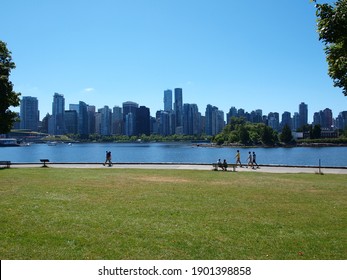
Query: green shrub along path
column 57, row 213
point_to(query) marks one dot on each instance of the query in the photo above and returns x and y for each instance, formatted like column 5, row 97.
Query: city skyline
column 247, row 54
column 176, row 117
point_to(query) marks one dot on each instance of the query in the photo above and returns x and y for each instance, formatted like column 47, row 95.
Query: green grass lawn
column 48, row 213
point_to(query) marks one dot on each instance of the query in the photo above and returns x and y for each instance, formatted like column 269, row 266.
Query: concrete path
column 207, row 167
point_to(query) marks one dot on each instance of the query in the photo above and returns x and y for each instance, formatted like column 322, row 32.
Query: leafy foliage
column 8, row 97
column 246, row 133
column 332, row 26
column 286, row 135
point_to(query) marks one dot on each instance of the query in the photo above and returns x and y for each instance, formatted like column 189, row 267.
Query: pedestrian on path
column 254, row 160
column 238, row 158
column 250, row 160
column 108, row 158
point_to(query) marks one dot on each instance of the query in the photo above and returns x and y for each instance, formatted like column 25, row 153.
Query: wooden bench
column 229, row 165
column 44, row 162
column 5, row 163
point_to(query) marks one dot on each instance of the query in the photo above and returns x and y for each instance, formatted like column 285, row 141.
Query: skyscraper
column 143, row 121
column 168, row 100
column 83, row 119
column 286, row 120
column 29, row 113
column 178, row 107
column 303, row 114
column 105, row 122
column 117, row 121
column 129, row 117
column 214, row 120
column 71, row 121
column 58, row 114
column 191, row 119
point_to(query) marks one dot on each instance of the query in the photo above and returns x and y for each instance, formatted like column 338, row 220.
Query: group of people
column 251, row 160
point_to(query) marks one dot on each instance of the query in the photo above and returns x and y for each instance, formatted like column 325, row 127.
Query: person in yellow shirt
column 238, row 158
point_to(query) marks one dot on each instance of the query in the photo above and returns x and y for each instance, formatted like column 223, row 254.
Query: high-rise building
column 58, row 115
column 71, row 121
column 129, row 117
column 83, row 125
column 191, row 119
column 178, row 108
column 232, row 113
column 303, row 114
column 286, row 120
column 323, row 118
column 273, row 121
column 117, row 121
column 143, row 121
column 105, row 121
column 341, row 120
column 168, row 100
column 214, row 120
column 296, row 121
column 29, row 113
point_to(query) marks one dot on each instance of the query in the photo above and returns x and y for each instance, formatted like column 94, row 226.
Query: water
column 172, row 152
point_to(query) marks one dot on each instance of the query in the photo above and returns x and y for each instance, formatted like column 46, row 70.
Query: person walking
column 250, row 160
column 108, row 158
column 254, row 160
column 238, row 158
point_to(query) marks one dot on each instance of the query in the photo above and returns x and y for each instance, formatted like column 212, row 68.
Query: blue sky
column 247, row 54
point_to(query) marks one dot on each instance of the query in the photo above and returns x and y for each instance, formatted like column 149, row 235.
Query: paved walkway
column 270, row 169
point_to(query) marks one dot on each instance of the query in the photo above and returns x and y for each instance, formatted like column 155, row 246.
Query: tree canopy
column 8, row 97
column 332, row 30
column 246, row 133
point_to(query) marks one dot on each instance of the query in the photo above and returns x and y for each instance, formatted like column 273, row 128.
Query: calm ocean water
column 172, row 152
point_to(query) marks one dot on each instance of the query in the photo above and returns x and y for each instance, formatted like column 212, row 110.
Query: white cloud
column 89, row 89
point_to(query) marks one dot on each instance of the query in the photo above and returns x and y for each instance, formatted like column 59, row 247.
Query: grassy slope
column 170, row 214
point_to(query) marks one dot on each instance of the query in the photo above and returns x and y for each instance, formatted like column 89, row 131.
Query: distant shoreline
column 235, row 145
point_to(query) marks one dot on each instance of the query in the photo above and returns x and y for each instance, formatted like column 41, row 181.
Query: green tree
column 8, row 97
column 332, row 26
column 316, row 132
column 286, row 135
column 268, row 136
column 244, row 135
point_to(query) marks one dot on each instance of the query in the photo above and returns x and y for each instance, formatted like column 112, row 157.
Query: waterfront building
column 256, row 116
column 286, row 120
column 29, row 113
column 83, row 124
column 214, row 120
column 143, row 121
column 71, row 122
column 105, row 121
column 296, row 121
column 57, row 122
column 232, row 113
column 163, row 123
column 129, row 117
column 178, row 108
column 91, row 119
column 191, row 119
column 117, row 121
column 273, row 121
column 303, row 114
column 341, row 120
column 323, row 118
column 168, row 100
